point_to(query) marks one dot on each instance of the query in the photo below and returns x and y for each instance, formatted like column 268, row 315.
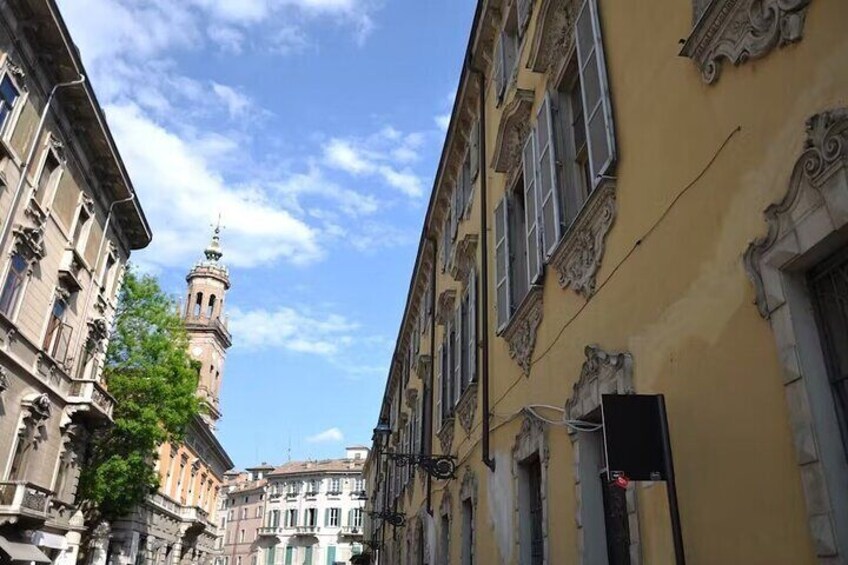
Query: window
column 13, row 286
column 335, row 485
column 58, row 335
column 211, row 308
column 244, row 513
column 444, row 539
column 49, row 172
column 258, row 512
column 289, row 555
column 333, row 517
column 530, row 512
column 511, row 261
column 467, row 532
column 312, row 487
column 470, row 329
column 506, row 54
column 80, row 229
column 274, row 519
column 355, row 519
column 829, row 286
column 241, row 537
column 291, row 518
column 198, row 304
column 359, row 485
column 269, row 555
column 9, row 94
column 311, row 518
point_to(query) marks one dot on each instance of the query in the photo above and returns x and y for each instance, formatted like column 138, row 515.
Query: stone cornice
column 578, row 256
column 520, row 332
column 513, row 131
column 739, row 30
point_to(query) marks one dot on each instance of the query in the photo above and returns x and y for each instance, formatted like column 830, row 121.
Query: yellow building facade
column 597, row 226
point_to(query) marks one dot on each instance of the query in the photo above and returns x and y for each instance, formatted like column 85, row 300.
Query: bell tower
column 208, row 283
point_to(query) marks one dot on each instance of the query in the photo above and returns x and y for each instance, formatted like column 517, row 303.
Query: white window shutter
column 439, row 387
column 466, row 180
column 454, row 212
column 531, row 216
column 502, row 252
column 446, row 243
column 524, row 9
column 458, row 346
column 472, row 326
column 595, row 90
column 547, row 175
column 475, row 150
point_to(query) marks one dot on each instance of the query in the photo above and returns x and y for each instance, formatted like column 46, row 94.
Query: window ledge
column 578, row 255
column 739, row 30
column 520, row 331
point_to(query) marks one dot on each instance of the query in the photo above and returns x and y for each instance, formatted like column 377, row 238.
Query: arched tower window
column 198, row 304
column 211, row 307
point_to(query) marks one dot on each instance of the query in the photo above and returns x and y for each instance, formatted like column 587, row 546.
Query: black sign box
column 634, row 436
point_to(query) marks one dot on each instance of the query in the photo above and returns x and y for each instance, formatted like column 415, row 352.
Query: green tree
column 154, row 382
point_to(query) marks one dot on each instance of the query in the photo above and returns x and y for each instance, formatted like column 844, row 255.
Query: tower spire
column 213, row 250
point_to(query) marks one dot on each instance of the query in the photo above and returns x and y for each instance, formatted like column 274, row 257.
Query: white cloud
column 291, row 329
column 228, row 38
column 237, row 103
column 331, row 435
column 443, row 121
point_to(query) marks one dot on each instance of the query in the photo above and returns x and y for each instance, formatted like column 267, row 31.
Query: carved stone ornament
column 446, row 505
column 29, row 242
column 423, row 365
column 532, row 439
column 520, row 332
column 445, row 306
column 446, row 435
column 602, row 373
column 513, row 131
column 825, row 152
column 578, row 257
column 39, row 407
column 16, row 71
column 739, row 30
column 411, row 397
column 553, row 36
column 466, row 408
column 98, row 330
column 4, row 379
column 468, row 488
column 807, row 225
column 464, row 257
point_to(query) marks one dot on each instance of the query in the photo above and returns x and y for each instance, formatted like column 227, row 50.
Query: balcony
column 271, row 531
column 355, row 531
column 93, row 392
column 24, row 503
column 306, row 530
column 71, row 270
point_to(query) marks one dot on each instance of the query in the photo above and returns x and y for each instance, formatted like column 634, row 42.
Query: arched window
column 198, row 304
column 211, row 307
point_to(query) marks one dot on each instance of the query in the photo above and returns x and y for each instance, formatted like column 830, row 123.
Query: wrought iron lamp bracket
column 437, row 466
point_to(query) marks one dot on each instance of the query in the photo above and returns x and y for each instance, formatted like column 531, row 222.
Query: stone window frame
column 468, row 490
column 445, row 511
column 602, row 373
column 19, row 78
column 805, row 227
column 532, row 440
column 741, row 30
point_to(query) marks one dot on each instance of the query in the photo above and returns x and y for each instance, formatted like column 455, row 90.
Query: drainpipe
column 16, row 199
column 484, row 267
column 429, row 408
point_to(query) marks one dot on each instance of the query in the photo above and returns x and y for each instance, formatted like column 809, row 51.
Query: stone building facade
column 632, row 197
column 178, row 524
column 69, row 219
column 312, row 513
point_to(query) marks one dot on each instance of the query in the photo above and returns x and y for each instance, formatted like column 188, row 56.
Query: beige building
column 244, row 515
column 69, row 219
column 633, row 197
column 178, row 524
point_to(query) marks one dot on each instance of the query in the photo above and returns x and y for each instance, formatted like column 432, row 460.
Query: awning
column 46, row 539
column 17, row 551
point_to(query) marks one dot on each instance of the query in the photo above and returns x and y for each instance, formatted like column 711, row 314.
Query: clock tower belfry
column 206, row 325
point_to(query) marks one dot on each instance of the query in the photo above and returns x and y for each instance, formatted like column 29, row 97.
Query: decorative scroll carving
column 98, row 331
column 579, row 255
column 39, row 407
column 4, row 380
column 602, row 373
column 16, row 71
column 446, row 435
column 467, row 407
column 468, row 488
column 464, row 257
column 739, row 30
column 445, row 306
column 553, row 35
column 446, row 505
column 411, row 397
column 513, row 131
column 520, row 333
column 29, row 242
column 825, row 151
column 422, row 365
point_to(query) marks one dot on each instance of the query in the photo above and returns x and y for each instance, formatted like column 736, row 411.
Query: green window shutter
column 269, row 556
column 289, row 555
column 331, row 555
column 308, row 559
column 502, row 260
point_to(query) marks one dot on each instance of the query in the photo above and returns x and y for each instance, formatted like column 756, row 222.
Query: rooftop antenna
column 288, row 451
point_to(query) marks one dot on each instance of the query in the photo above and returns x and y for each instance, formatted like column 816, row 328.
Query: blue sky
column 314, row 127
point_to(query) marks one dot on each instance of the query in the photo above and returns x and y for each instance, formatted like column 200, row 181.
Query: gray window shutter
column 546, row 173
column 525, row 8
column 475, row 150
column 456, row 209
column 502, row 282
column 531, row 216
column 458, row 346
column 498, row 70
column 326, row 517
column 440, row 387
column 446, row 242
column 595, row 89
column 472, row 326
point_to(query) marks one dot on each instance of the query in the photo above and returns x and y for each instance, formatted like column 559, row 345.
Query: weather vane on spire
column 213, row 252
